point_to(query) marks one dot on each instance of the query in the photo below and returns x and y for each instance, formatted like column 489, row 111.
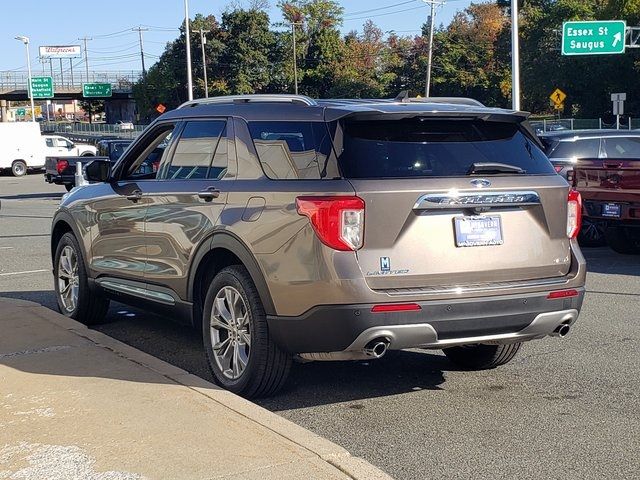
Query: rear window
column 420, row 147
column 585, row 148
column 622, row 147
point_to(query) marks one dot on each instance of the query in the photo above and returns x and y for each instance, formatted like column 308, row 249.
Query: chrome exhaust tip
column 376, row 348
column 562, row 330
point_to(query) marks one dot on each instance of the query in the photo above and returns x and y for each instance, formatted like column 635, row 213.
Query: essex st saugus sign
column 605, row 37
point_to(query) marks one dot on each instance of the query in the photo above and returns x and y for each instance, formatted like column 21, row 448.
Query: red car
column 610, row 190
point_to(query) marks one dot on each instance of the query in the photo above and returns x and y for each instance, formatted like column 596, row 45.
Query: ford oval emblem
column 480, row 183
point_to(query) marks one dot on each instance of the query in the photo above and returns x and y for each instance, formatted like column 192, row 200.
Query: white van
column 21, row 147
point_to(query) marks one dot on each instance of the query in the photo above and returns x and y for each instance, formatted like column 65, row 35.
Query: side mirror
column 98, row 171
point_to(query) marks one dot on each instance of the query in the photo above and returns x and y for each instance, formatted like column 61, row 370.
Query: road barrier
column 581, row 124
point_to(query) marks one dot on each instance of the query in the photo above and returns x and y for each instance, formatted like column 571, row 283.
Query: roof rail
column 255, row 98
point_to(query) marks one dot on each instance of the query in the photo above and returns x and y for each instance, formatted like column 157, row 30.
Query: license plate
column 478, row 231
column 611, row 210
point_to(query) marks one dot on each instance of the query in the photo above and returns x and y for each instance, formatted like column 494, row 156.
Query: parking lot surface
column 562, row 409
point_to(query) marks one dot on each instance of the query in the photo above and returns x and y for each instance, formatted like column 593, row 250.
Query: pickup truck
column 610, row 190
column 61, row 169
column 56, row 145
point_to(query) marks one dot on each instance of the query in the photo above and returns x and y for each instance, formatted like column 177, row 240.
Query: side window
column 49, row 142
column 622, row 147
column 587, row 148
column 144, row 160
column 200, row 153
column 292, row 150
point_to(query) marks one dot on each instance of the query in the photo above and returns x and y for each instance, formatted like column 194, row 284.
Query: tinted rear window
column 585, row 148
column 419, row 147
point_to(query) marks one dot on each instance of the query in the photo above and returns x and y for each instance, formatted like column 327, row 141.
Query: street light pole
column 188, row 38
column 515, row 57
column 295, row 56
column 427, row 88
column 203, row 41
column 25, row 40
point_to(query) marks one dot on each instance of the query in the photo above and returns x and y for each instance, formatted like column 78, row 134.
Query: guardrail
column 582, row 124
column 92, row 129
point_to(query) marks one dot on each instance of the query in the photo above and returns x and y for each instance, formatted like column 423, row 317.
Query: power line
column 385, row 14
column 361, row 12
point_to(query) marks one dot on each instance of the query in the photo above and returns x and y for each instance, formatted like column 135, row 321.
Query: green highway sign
column 21, row 112
column 96, row 90
column 593, row 38
column 42, row 87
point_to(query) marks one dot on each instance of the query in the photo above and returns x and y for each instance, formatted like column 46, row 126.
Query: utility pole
column 139, row 29
column 203, row 41
column 432, row 23
column 295, row 55
column 86, row 56
column 515, row 57
column 188, row 41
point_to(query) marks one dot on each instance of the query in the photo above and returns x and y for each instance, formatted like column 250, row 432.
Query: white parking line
column 26, row 272
column 6, row 248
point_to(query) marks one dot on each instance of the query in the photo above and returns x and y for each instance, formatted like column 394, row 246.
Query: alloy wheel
column 230, row 332
column 68, row 279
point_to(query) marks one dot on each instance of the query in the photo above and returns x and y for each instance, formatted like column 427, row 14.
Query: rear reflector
column 558, row 168
column 562, row 294
column 396, row 307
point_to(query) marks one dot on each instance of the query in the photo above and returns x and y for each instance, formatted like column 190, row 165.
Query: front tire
column 482, row 357
column 241, row 354
column 75, row 299
column 19, row 168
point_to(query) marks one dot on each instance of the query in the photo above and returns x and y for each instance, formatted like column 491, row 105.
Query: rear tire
column 68, row 186
column 482, row 357
column 19, row 168
column 246, row 360
column 75, row 299
column 619, row 239
column 592, row 233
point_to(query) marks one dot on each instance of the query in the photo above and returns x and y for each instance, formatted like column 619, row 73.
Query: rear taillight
column 396, row 307
column 61, row 166
column 338, row 221
column 574, row 214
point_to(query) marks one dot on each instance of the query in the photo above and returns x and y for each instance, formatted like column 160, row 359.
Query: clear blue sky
column 115, row 46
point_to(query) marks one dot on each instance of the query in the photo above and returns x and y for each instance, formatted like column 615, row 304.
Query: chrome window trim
column 476, row 199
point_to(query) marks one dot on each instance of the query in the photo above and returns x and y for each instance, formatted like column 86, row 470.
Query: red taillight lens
column 396, row 307
column 61, row 166
column 562, row 294
column 337, row 221
column 574, row 214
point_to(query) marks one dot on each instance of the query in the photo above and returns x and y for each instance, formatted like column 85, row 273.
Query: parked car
column 611, row 195
column 61, row 170
column 124, row 126
column 567, row 148
column 333, row 230
column 22, row 148
column 56, row 145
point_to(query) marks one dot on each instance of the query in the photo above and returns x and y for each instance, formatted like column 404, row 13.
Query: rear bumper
column 439, row 324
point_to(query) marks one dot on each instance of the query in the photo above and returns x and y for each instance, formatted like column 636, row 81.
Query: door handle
column 134, row 196
column 209, row 194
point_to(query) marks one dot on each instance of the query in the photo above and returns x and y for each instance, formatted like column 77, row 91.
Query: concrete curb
column 328, row 451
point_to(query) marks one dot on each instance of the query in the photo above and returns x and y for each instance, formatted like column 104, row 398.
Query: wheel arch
column 222, row 250
column 63, row 223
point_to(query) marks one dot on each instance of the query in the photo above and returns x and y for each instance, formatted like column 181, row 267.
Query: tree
column 92, row 107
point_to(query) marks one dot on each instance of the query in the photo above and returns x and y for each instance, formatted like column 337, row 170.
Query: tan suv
column 329, row 229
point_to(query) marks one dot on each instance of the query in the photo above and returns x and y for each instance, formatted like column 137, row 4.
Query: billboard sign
column 60, row 51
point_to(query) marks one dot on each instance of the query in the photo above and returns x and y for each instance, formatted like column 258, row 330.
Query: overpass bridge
column 68, row 86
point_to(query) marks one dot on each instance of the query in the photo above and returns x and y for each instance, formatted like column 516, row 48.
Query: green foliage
column 472, row 57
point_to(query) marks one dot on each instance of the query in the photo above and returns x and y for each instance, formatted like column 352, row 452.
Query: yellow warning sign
column 558, row 97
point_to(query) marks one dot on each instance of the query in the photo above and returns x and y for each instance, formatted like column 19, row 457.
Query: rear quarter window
column 584, row 148
column 426, row 147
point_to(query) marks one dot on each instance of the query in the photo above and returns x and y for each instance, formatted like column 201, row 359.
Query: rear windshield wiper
column 491, row 168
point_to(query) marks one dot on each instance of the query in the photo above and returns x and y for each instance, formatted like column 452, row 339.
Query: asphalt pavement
column 562, row 409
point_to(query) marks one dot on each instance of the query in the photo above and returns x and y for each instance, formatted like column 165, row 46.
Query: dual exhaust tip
column 376, row 348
